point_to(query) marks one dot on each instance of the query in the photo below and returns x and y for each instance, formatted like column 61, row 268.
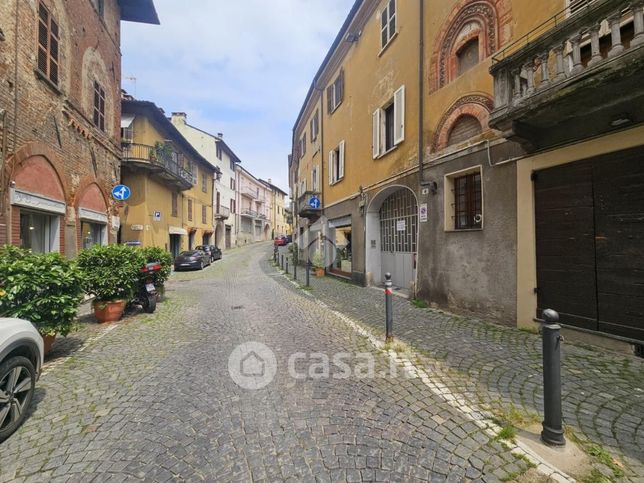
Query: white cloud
column 238, row 67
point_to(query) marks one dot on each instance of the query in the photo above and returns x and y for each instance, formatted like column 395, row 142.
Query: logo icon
column 121, row 192
column 252, row 365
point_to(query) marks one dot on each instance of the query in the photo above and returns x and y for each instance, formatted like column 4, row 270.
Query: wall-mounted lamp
column 433, row 187
column 353, row 37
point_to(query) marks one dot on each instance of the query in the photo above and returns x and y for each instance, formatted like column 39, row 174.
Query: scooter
column 146, row 294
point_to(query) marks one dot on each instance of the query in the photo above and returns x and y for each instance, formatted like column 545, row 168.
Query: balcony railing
column 249, row 213
column 168, row 164
column 584, row 47
column 222, row 212
column 250, row 192
column 304, row 207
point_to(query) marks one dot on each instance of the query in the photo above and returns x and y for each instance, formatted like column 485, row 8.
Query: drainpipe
column 421, row 93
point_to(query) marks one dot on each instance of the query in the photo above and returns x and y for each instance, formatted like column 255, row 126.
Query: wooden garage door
column 590, row 243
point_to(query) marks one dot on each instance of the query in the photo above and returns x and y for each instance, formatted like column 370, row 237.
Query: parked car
column 191, row 259
column 280, row 241
column 21, row 356
column 289, row 239
column 212, row 250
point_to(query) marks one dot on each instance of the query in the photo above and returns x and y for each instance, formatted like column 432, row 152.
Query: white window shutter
column 331, row 166
column 376, row 133
column 399, row 115
column 341, row 162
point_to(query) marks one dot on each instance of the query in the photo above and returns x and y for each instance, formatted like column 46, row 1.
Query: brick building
column 60, row 109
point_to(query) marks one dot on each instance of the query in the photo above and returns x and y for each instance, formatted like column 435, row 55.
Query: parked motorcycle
column 146, row 293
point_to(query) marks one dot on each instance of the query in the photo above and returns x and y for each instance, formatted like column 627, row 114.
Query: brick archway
column 478, row 106
column 27, row 159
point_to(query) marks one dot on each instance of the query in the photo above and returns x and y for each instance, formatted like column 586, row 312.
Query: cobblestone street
column 151, row 398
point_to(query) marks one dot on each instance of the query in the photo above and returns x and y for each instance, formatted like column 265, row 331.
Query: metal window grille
column 399, row 211
column 467, row 201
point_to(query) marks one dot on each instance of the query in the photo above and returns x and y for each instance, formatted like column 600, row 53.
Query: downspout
column 421, row 92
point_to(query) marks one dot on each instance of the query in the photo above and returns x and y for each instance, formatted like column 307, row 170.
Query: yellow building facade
column 171, row 184
column 456, row 81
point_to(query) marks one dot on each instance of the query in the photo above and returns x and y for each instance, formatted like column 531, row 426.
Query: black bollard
column 275, row 254
column 552, row 433
column 282, row 262
column 389, row 309
column 295, row 265
column 286, row 265
column 308, row 273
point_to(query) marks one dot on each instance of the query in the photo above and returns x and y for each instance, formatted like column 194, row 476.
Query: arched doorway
column 392, row 234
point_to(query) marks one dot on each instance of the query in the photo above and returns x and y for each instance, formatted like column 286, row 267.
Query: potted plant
column 45, row 289
column 111, row 274
column 318, row 263
column 164, row 258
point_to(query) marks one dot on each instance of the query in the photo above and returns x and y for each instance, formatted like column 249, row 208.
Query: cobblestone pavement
column 150, row 398
column 499, row 369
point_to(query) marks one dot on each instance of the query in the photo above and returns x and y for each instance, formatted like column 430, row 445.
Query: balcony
column 222, row 212
column 305, row 210
column 250, row 192
column 577, row 75
column 163, row 163
column 249, row 213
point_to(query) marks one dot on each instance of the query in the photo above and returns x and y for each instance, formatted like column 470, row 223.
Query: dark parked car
column 191, row 259
column 212, row 250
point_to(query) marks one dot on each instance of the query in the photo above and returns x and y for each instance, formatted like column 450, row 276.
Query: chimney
column 270, row 181
column 220, row 134
column 179, row 117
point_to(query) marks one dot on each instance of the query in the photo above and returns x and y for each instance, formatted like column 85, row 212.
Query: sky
column 240, row 67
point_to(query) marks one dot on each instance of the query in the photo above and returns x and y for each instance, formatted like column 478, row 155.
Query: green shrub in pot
column 45, row 289
column 111, row 272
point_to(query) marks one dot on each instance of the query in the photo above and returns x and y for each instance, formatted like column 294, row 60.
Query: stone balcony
column 304, row 208
column 577, row 75
column 222, row 212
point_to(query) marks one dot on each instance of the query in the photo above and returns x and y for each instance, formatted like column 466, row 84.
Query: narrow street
column 151, row 398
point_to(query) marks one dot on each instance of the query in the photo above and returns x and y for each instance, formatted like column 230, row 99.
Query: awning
column 126, row 120
column 175, row 230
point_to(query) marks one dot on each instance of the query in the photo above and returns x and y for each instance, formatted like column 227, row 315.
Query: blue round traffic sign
column 314, row 202
column 121, row 192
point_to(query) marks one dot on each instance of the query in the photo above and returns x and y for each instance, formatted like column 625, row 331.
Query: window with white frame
column 336, row 164
column 389, row 124
column 387, row 23
column 335, row 92
column 314, row 179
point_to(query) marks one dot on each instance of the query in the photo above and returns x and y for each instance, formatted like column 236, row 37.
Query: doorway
column 175, row 245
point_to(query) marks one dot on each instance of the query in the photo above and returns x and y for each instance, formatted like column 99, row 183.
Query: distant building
column 277, row 209
column 60, row 108
column 172, row 184
column 253, row 199
column 218, row 153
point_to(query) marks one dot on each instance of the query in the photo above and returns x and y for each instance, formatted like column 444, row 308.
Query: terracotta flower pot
column 48, row 341
column 110, row 311
column 319, row 272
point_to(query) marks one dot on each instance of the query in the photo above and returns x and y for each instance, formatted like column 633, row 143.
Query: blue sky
column 238, row 67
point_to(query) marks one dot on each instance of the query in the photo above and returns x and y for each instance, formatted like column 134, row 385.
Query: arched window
column 468, row 56
column 465, row 127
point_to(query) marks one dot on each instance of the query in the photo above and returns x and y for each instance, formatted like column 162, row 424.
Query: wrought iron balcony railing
column 168, row 164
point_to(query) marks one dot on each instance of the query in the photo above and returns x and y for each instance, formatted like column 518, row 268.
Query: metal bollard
column 308, row 273
column 389, row 309
column 295, row 266
column 552, row 433
column 275, row 254
column 286, row 265
column 282, row 262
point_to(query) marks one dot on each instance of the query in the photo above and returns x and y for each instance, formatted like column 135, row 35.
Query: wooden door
column 565, row 242
column 619, row 215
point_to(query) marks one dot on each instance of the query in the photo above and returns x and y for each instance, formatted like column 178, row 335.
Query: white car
column 21, row 356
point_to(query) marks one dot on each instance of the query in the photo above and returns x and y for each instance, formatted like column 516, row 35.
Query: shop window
column 92, row 234
column 99, row 106
column 341, row 237
column 335, row 93
column 464, row 200
column 336, row 164
column 389, row 124
column 39, row 232
column 387, row 23
column 467, row 56
column 466, row 127
column 48, row 45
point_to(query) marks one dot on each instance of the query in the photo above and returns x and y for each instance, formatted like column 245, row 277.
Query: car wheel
column 201, row 265
column 17, row 384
